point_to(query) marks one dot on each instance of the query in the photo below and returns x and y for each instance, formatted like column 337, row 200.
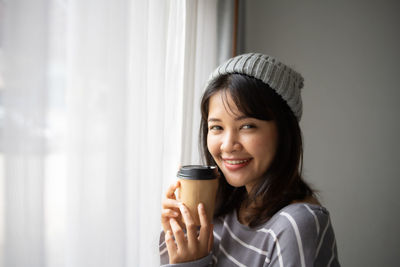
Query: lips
column 235, row 164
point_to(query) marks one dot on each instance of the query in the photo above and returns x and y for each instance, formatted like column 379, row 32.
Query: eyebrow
column 236, row 119
column 213, row 119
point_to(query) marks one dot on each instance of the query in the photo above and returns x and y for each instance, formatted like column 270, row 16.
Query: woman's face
column 243, row 147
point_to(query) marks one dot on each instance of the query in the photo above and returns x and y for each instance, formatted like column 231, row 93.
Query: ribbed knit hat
column 281, row 78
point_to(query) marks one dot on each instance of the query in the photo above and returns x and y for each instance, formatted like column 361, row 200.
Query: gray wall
column 348, row 52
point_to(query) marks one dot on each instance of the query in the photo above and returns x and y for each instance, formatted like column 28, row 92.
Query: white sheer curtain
column 99, row 106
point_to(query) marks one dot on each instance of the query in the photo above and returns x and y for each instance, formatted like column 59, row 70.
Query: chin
column 234, row 182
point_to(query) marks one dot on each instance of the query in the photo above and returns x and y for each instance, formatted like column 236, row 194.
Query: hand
column 170, row 207
column 191, row 247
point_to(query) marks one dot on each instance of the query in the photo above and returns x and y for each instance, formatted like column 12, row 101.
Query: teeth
column 236, row 161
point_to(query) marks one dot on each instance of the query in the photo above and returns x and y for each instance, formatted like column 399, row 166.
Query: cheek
column 212, row 145
column 262, row 147
column 254, row 145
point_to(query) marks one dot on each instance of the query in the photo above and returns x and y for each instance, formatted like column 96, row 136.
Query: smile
column 235, row 164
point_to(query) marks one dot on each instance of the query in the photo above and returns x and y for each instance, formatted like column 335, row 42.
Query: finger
column 174, row 206
column 170, row 193
column 169, row 213
column 191, row 228
column 178, row 193
column 211, row 239
column 171, row 190
column 204, row 226
column 178, row 234
column 169, row 203
column 166, row 214
column 171, row 246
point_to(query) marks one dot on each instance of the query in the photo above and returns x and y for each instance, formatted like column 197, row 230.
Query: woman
column 266, row 214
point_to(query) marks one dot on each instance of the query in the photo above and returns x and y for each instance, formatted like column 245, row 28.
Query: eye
column 248, row 126
column 215, row 128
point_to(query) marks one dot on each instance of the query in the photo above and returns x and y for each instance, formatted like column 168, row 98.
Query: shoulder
column 304, row 234
column 301, row 223
column 301, row 216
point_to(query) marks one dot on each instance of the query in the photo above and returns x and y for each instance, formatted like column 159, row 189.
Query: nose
column 230, row 142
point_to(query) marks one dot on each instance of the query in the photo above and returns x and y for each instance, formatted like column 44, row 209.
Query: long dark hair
column 282, row 182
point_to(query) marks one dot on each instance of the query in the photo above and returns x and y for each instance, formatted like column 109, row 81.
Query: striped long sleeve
column 298, row 235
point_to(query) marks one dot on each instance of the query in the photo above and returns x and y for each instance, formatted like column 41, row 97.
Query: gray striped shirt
column 298, row 235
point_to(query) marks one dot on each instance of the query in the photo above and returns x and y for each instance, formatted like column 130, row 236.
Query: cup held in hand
column 199, row 184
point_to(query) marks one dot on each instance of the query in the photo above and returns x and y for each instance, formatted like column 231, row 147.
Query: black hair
column 283, row 182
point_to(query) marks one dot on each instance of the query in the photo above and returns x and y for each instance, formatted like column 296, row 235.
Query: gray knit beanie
column 284, row 80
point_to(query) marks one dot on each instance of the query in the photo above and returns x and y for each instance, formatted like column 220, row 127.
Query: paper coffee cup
column 199, row 184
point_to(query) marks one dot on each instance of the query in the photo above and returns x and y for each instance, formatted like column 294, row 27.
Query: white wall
column 348, row 52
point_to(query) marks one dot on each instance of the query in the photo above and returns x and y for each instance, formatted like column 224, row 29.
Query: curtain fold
column 155, row 75
column 201, row 40
column 96, row 89
column 101, row 106
column 23, row 143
